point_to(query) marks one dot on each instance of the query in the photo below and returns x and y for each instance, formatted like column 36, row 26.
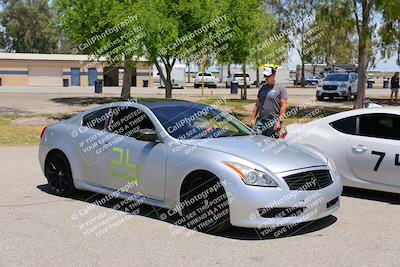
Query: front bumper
column 213, row 84
column 333, row 93
column 248, row 202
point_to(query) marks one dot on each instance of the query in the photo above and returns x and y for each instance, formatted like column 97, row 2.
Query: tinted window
column 337, row 77
column 96, row 120
column 347, row 125
column 380, row 125
column 199, row 122
column 128, row 121
column 241, row 75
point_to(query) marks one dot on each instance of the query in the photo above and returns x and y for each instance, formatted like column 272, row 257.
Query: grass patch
column 14, row 134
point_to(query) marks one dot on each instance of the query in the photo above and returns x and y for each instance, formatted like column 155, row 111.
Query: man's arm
column 256, row 109
column 283, row 109
column 282, row 113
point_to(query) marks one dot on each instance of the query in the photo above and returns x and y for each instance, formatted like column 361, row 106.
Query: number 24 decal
column 128, row 166
column 381, row 157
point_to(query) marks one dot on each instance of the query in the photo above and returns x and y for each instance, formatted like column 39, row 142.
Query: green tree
column 297, row 18
column 390, row 30
column 364, row 12
column 28, row 26
column 337, row 44
column 173, row 30
column 103, row 29
column 243, row 18
column 270, row 45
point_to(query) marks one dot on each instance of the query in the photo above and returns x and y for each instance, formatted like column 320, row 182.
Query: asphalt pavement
column 40, row 229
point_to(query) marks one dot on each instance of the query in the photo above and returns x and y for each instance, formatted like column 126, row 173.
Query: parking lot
column 42, row 229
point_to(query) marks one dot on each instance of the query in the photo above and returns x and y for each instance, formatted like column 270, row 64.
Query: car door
column 87, row 140
column 373, row 153
column 129, row 160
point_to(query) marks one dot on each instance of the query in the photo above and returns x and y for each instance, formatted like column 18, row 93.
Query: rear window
column 96, row 120
column 347, row 125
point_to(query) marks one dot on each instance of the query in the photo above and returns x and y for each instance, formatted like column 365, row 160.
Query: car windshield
column 337, row 77
column 241, row 75
column 199, row 122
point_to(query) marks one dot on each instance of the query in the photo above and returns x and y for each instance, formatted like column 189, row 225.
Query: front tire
column 211, row 207
column 348, row 97
column 59, row 175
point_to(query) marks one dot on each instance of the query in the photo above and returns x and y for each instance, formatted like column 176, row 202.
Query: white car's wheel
column 59, row 175
column 212, row 205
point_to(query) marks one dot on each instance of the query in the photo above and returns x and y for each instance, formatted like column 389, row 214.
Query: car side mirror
column 148, row 135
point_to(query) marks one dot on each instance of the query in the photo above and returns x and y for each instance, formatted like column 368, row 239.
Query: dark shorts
column 266, row 127
column 395, row 90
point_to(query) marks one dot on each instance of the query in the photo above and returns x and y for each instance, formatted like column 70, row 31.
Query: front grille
column 329, row 87
column 280, row 212
column 311, row 180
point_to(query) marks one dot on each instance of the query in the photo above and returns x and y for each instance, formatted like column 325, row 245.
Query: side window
column 128, row 121
column 96, row 120
column 346, row 125
column 385, row 126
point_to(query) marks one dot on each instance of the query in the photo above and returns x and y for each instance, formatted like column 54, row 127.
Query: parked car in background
column 237, row 77
column 338, row 84
column 312, row 80
column 209, row 80
column 364, row 144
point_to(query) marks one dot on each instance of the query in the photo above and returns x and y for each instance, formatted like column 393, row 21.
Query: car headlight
column 332, row 168
column 343, row 85
column 252, row 176
column 319, row 88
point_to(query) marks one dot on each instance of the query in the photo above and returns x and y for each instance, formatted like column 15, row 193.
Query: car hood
column 333, row 82
column 276, row 156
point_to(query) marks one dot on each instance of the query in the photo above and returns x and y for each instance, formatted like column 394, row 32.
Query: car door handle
column 359, row 148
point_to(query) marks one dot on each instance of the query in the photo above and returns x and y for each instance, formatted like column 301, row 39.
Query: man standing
column 394, row 84
column 270, row 108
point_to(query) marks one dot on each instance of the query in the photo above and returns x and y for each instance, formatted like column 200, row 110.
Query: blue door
column 75, row 77
column 92, row 73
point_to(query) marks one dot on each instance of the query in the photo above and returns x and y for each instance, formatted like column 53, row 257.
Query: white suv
column 237, row 77
column 338, row 84
column 209, row 80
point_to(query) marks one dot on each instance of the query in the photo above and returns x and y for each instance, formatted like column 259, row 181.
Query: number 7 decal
column 381, row 157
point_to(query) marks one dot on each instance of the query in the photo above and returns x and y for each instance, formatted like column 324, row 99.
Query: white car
column 338, row 84
column 209, row 80
column 237, row 77
column 364, row 144
column 192, row 159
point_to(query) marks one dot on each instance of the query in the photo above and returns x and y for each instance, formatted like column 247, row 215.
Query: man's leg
column 396, row 95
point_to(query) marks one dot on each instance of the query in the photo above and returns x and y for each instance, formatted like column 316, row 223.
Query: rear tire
column 212, row 207
column 59, row 175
